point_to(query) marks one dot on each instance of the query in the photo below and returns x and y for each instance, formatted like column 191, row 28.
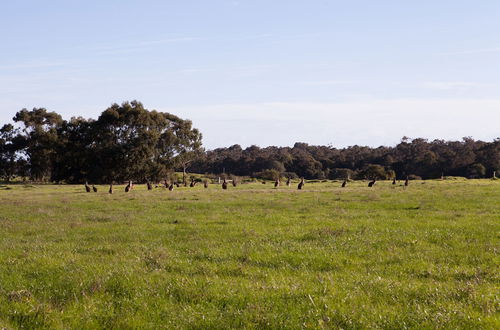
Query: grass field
column 252, row 256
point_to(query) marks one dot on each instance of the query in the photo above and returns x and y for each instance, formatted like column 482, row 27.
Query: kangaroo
column 301, row 184
column 128, row 187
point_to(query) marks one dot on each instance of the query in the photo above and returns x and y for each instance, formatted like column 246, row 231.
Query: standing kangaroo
column 301, row 184
column 128, row 187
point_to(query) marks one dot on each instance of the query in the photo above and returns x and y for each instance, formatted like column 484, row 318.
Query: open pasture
column 252, row 256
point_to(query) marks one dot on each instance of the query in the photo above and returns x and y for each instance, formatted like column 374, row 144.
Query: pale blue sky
column 263, row 72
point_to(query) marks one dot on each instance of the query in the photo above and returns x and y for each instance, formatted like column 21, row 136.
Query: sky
column 263, row 72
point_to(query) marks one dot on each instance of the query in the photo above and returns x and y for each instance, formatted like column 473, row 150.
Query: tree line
column 126, row 142
column 417, row 158
column 129, row 142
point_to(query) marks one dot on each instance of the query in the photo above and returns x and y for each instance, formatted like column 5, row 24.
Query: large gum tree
column 132, row 143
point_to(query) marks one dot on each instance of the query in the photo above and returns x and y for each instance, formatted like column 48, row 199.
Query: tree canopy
column 129, row 142
column 414, row 158
column 126, row 142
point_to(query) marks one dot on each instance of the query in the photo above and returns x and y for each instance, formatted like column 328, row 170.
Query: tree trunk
column 184, row 175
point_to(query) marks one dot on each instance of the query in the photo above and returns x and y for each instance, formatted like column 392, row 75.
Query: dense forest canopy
column 128, row 142
column 417, row 158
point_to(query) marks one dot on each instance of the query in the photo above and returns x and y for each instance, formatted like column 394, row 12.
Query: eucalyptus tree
column 9, row 155
column 134, row 143
column 38, row 138
column 76, row 152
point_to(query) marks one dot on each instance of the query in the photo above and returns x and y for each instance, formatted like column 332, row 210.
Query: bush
column 455, row 178
column 373, row 171
column 268, row 175
column 476, row 171
column 390, row 174
column 291, row 175
column 341, row 173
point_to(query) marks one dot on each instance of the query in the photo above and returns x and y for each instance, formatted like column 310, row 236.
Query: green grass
column 252, row 256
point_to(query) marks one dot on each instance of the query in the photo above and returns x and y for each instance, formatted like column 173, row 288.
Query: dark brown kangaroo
column 301, row 184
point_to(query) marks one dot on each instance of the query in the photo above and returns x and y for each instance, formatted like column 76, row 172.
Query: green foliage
column 10, row 144
column 390, row 174
column 373, row 171
column 269, row 174
column 138, row 144
column 342, row 173
column 127, row 142
column 426, row 159
column 387, row 257
column 476, row 171
column 290, row 175
column 39, row 140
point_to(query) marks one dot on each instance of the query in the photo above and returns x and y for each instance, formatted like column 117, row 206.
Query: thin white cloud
column 102, row 49
column 136, row 46
column 35, row 64
column 234, row 70
column 258, row 36
column 475, row 51
column 451, row 85
column 325, row 82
